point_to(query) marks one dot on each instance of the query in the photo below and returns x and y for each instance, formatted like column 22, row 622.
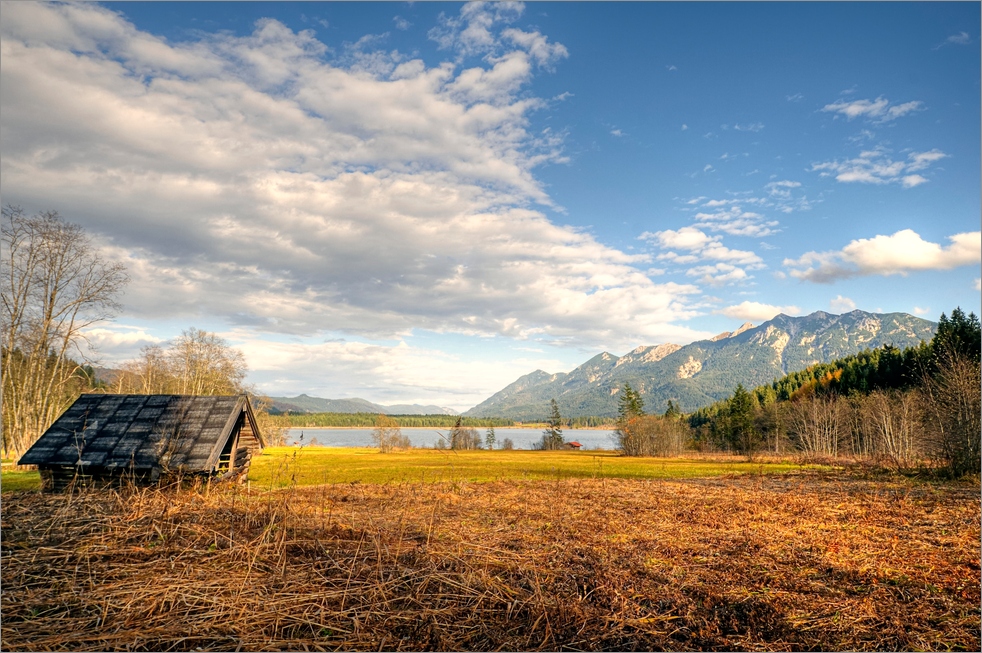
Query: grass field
column 812, row 560
column 285, row 466
column 16, row 481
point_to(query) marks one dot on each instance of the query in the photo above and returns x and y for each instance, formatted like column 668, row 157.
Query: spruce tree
column 552, row 437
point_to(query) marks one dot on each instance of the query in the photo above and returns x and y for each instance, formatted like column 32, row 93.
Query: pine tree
column 958, row 335
column 552, row 437
column 742, row 433
column 630, row 404
column 489, row 438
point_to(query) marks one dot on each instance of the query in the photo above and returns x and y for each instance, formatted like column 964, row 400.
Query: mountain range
column 307, row 404
column 703, row 372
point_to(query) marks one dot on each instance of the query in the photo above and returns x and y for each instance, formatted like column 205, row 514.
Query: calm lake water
column 427, row 437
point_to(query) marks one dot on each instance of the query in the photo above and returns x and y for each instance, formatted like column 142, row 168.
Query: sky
column 420, row 202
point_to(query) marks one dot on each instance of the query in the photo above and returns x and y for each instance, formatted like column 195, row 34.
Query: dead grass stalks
column 776, row 563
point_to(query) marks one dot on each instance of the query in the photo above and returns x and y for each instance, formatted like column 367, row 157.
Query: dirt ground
column 807, row 561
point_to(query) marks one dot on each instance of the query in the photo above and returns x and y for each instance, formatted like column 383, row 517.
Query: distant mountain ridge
column 705, row 371
column 307, row 404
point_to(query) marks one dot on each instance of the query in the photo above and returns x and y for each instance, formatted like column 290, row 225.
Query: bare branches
column 55, row 285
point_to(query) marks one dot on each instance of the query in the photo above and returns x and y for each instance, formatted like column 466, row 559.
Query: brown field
column 805, row 561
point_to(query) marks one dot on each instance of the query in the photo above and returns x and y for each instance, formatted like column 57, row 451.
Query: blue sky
column 421, row 202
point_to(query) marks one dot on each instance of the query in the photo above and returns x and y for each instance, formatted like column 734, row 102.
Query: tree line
column 905, row 409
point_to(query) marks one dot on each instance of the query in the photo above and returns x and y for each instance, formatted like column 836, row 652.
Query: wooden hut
column 105, row 439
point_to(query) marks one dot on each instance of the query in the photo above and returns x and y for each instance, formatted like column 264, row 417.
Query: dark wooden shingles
column 121, row 431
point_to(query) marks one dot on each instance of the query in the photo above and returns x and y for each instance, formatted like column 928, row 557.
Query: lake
column 427, row 437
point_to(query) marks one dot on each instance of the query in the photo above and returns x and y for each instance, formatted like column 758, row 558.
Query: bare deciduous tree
column 889, row 421
column 55, row 285
column 204, row 364
column 387, row 435
column 817, row 424
column 653, row 435
column 952, row 413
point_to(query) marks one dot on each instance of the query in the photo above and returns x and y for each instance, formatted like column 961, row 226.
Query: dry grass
column 769, row 562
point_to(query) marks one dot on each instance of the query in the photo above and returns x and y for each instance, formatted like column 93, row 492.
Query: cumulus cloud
column 842, row 304
column 901, row 253
column 544, row 53
column 112, row 343
column 879, row 110
column 257, row 180
column 719, row 274
column 877, row 167
column 723, row 265
column 756, row 312
column 921, row 311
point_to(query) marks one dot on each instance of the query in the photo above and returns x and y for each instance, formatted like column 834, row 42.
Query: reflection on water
column 427, row 437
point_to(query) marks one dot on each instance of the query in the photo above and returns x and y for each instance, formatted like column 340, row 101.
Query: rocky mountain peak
column 746, row 326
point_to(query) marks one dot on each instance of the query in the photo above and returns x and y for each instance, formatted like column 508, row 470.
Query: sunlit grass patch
column 285, row 466
column 18, row 481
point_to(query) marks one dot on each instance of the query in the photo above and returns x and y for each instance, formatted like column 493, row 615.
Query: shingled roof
column 147, row 432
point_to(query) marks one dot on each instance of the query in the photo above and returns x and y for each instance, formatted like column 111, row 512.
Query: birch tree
column 55, row 285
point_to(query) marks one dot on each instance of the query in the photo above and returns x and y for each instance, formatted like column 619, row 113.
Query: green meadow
column 284, row 466
column 278, row 467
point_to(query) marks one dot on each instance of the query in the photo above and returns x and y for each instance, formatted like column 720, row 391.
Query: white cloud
column 749, row 127
column 782, row 189
column 387, row 374
column 900, row 253
column 876, row 167
column 879, row 110
column 718, row 274
column 684, row 126
column 671, row 67
column 722, row 261
column 470, row 33
column 734, row 221
column 401, row 23
column 921, row 311
column 755, row 311
column 115, row 342
column 544, row 53
column 616, row 132
column 257, row 181
column 685, row 238
column 794, row 98
column 842, row 304
column 978, row 283
column 961, row 38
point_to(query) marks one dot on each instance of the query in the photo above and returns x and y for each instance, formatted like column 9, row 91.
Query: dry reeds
column 776, row 563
